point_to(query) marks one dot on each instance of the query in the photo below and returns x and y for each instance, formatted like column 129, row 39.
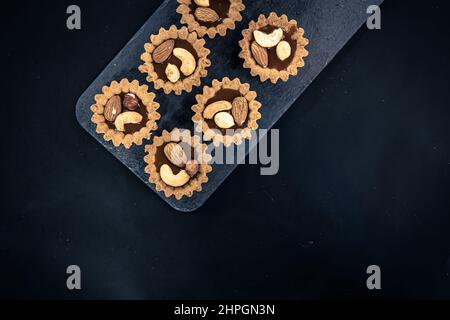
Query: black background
column 364, row 175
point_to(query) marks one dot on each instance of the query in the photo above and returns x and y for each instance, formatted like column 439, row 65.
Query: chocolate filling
column 160, row 68
column 228, row 95
column 274, row 61
column 161, row 159
column 132, row 127
column 221, row 7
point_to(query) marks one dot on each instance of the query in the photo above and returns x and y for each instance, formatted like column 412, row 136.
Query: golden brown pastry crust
column 195, row 184
column 234, row 15
column 217, row 137
column 117, row 137
column 181, row 85
column 273, row 74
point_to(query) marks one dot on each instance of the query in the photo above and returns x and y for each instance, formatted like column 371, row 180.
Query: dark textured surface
column 367, row 182
column 328, row 24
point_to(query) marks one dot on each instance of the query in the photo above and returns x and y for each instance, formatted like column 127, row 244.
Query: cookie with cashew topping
column 125, row 113
column 175, row 60
column 210, row 17
column 273, row 48
column 226, row 113
column 177, row 163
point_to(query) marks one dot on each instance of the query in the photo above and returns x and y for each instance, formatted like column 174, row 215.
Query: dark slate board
column 328, row 24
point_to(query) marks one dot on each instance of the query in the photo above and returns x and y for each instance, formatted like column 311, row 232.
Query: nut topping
column 171, row 179
column 206, row 15
column 113, row 108
column 260, row 55
column 188, row 63
column 268, row 40
column 192, row 168
column 211, row 110
column 163, row 51
column 175, row 154
column 128, row 117
column 130, row 102
column 172, row 73
column 202, row 3
column 283, row 50
column 240, row 110
column 224, row 120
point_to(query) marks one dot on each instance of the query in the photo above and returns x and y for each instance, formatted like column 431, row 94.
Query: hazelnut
column 192, row 168
column 130, row 102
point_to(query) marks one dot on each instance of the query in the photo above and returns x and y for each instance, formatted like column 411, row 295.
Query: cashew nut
column 202, row 3
column 283, row 50
column 172, row 73
column 268, row 40
column 171, row 179
column 224, row 120
column 188, row 63
column 128, row 117
column 211, row 110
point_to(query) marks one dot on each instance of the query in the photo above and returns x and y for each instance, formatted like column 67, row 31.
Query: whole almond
column 113, row 108
column 206, row 15
column 175, row 154
column 260, row 55
column 240, row 110
column 163, row 51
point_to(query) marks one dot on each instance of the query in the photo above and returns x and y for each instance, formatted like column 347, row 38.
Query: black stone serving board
column 328, row 25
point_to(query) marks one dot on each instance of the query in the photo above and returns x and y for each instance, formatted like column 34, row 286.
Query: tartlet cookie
column 177, row 163
column 175, row 60
column 273, row 48
column 210, row 17
column 125, row 113
column 227, row 112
